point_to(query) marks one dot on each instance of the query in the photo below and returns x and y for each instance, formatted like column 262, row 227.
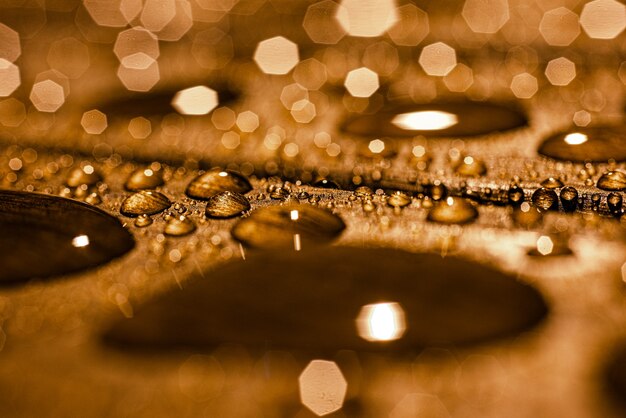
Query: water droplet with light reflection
column 545, row 199
column 144, row 178
column 552, row 183
column 471, row 167
column 569, row 198
column 306, row 300
column 612, row 180
column 86, row 175
column 226, row 205
column 593, row 144
column 215, row 181
column 178, row 226
column 437, row 120
column 144, row 203
column 45, row 236
column 454, row 210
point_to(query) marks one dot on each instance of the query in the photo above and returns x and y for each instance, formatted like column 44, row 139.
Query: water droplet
column 143, row 221
column 453, row 210
column 145, row 203
column 595, row 144
column 569, row 198
column 437, row 120
column 44, row 236
column 363, row 192
column 612, row 180
column 144, row 178
column 437, row 191
column 275, row 226
column 596, row 199
column 215, row 181
column 226, row 205
column 252, row 302
column 545, row 199
column 93, row 199
column 177, row 226
column 552, row 183
column 471, row 167
column 86, row 175
column 515, row 195
column 527, row 216
column 279, row 193
column 614, row 203
column 399, row 199
column 326, row 184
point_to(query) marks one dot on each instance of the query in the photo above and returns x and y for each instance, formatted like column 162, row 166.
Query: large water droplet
column 612, row 180
column 569, row 198
column 545, row 199
column 437, row 120
column 86, row 175
column 215, row 181
column 471, row 167
column 277, row 226
column 453, row 210
column 145, row 203
column 226, row 205
column 594, row 144
column 144, row 178
column 44, row 236
column 307, row 300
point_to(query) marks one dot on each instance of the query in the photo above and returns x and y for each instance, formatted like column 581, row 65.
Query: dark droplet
column 569, row 198
column 594, row 144
column 437, row 120
column 215, row 181
column 307, row 300
column 612, row 180
column 144, row 178
column 515, row 195
column 226, row 205
column 44, row 236
column 277, row 226
column 552, row 183
column 545, row 199
column 145, row 203
column 614, row 203
column 437, row 191
column 326, row 184
column 453, row 210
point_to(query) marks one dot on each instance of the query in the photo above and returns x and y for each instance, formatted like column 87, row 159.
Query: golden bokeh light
column 560, row 71
column 459, row 79
column 425, row 120
column 310, row 74
column 231, row 140
column 69, row 56
column 223, row 118
column 320, row 25
column 412, row 26
column 362, row 82
column 603, row 19
column 524, row 85
column 113, row 13
column 12, row 112
column 9, row 77
column 303, row 111
column 47, row 96
column 10, row 48
column 212, row 48
column 544, row 245
column 139, row 72
column 139, row 127
column 367, row 18
column 94, row 122
column 322, row 387
column 136, row 40
column 197, row 100
column 420, row 405
column 293, row 93
column 486, row 16
column 179, row 25
column 156, row 14
column 575, row 138
column 559, row 27
column 247, row 121
column 381, row 321
column 276, row 55
column 437, row 59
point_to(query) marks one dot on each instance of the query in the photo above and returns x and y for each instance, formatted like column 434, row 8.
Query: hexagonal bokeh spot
column 485, row 16
column 559, row 27
column 247, row 121
column 139, row 127
column 420, row 405
column 276, row 55
column 310, row 74
column 438, row 59
column 9, row 77
column 94, row 122
column 156, row 14
column 136, row 40
column 198, row 100
column 603, row 19
column 69, row 56
column 113, row 13
column 179, row 25
column 12, row 112
column 362, row 82
column 139, row 72
column 367, row 18
column 412, row 26
column 10, row 48
column 320, row 25
column 459, row 79
column 322, row 387
column 524, row 86
column 47, row 96
column 303, row 111
column 560, row 71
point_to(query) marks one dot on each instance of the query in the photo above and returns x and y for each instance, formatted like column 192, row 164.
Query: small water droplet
column 453, row 210
column 471, row 167
column 215, row 181
column 226, row 205
column 93, row 199
column 399, row 199
column 552, row 183
column 595, row 144
column 569, row 198
column 143, row 221
column 545, row 199
column 437, row 191
column 363, row 192
column 612, row 180
column 178, row 226
column 275, row 226
column 614, row 203
column 596, row 199
column 144, row 178
column 279, row 193
column 144, row 203
column 326, row 184
column 86, row 175
column 515, row 195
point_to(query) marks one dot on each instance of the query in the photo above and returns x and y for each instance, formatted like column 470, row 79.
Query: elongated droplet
column 614, row 203
column 593, row 144
column 437, row 120
column 275, row 226
column 226, row 205
column 545, row 199
column 515, row 195
column 215, row 181
column 569, row 198
column 178, row 226
column 145, row 203
column 86, row 175
column 399, row 199
column 612, row 180
column 278, row 299
column 144, row 178
column 453, row 210
column 44, row 236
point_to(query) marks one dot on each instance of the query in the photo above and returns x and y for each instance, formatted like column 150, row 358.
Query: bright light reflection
column 381, row 322
column 544, row 245
column 80, row 241
column 576, row 138
column 427, row 120
column 294, row 215
column 297, row 243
